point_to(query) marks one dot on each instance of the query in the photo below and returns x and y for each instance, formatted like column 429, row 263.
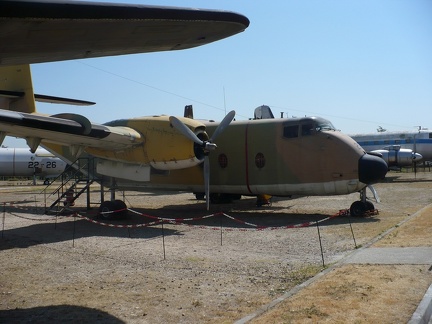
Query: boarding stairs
column 74, row 181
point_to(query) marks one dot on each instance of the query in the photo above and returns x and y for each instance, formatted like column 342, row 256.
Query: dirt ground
column 215, row 269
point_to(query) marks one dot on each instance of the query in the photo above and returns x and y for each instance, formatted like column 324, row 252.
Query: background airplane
column 20, row 162
column 399, row 148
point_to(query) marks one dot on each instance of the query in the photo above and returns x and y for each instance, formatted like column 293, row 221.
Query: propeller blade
column 207, row 145
column 182, row 128
column 223, row 124
column 207, row 180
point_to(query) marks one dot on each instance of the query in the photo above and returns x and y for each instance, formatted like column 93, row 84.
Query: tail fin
column 188, row 111
column 16, row 89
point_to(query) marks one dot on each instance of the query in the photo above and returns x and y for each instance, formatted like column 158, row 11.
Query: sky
column 359, row 64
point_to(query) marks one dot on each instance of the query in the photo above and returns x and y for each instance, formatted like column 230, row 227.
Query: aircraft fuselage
column 21, row 162
column 280, row 157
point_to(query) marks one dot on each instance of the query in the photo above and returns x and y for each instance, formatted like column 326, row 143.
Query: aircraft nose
column 417, row 157
column 372, row 168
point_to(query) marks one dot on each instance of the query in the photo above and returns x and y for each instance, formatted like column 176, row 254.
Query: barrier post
column 4, row 218
column 163, row 240
column 319, row 236
column 352, row 232
column 73, row 238
column 221, row 231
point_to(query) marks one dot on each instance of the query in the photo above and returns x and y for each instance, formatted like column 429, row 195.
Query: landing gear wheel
column 200, row 196
column 121, row 209
column 358, row 208
column 217, row 198
column 112, row 209
column 369, row 206
column 105, row 210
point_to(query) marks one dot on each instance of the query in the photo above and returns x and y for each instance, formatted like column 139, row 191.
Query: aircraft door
column 263, row 168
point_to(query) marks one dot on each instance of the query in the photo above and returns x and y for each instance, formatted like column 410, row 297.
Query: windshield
column 324, row 125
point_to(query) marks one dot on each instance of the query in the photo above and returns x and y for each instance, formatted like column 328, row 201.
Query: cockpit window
column 307, row 129
column 324, row 125
column 291, row 131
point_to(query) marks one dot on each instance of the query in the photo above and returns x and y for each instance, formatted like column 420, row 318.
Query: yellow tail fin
column 16, row 89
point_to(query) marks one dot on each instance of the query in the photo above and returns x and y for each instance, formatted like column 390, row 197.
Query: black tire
column 105, row 210
column 200, row 196
column 357, row 209
column 369, row 206
column 116, row 209
column 217, row 198
column 121, row 208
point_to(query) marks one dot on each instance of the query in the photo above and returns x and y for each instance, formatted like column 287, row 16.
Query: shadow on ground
column 57, row 314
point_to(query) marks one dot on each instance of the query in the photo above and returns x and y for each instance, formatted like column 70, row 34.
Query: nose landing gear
column 363, row 206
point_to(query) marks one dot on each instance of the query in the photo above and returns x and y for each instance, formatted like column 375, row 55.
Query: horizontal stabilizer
column 60, row 100
column 45, row 98
column 11, row 94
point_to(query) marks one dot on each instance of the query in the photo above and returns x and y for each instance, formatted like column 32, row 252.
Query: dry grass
column 356, row 294
column 365, row 293
column 415, row 232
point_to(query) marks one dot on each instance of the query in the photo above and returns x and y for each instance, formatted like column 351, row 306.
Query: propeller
column 207, row 146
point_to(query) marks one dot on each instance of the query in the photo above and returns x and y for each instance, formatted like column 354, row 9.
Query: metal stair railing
column 68, row 190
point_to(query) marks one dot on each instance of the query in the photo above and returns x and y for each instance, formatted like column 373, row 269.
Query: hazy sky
column 360, row 64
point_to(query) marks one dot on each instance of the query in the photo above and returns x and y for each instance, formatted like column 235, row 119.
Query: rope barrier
column 182, row 221
column 34, row 219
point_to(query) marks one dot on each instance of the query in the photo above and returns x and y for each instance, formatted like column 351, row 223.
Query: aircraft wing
column 67, row 129
column 41, row 31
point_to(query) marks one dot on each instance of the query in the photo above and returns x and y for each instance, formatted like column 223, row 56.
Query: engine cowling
column 163, row 147
column 395, row 156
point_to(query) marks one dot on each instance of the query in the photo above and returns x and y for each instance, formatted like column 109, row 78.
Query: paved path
column 392, row 255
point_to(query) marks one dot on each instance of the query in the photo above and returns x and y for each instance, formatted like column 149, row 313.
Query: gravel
column 212, row 269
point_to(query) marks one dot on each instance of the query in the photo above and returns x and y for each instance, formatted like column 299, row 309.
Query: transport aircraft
column 20, row 162
column 305, row 156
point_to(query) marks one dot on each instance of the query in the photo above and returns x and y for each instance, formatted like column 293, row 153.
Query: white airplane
column 20, row 162
column 398, row 149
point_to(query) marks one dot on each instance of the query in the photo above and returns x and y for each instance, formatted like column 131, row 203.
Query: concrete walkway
column 392, row 255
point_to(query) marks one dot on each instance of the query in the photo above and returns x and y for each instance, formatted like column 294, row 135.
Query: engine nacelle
column 395, row 156
column 163, row 147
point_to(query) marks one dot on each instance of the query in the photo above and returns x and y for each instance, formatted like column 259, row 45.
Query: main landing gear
column 363, row 206
column 113, row 209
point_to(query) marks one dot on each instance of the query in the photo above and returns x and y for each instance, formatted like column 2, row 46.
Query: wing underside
column 67, row 131
column 42, row 31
